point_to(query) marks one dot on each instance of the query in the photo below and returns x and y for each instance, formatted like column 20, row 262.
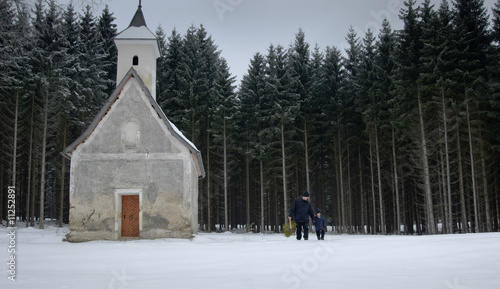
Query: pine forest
column 399, row 133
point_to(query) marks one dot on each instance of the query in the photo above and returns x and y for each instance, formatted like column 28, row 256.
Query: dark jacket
column 300, row 210
column 319, row 223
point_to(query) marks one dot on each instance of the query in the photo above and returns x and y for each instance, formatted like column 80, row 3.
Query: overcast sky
column 241, row 28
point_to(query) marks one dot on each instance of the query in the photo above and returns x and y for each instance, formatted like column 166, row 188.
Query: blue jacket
column 319, row 223
column 301, row 211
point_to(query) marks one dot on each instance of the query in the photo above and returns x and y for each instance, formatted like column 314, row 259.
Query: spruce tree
column 495, row 97
column 11, row 92
column 437, row 81
column 66, row 108
column 301, row 78
column 348, row 126
column 107, row 31
column 205, row 83
column 333, row 84
column 223, row 129
column 411, row 101
column 496, row 23
column 169, row 77
column 281, row 106
column 495, row 72
column 252, row 88
column 318, row 126
column 473, row 42
column 7, row 42
column 192, row 84
column 48, row 61
column 161, row 67
column 92, row 75
column 384, row 69
column 369, row 105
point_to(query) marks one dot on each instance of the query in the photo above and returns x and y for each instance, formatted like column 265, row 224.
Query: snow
column 181, row 135
column 228, row 260
column 133, row 32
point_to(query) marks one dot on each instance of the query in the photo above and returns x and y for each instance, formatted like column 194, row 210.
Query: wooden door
column 130, row 216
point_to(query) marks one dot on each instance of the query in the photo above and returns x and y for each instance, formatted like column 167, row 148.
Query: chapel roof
column 195, row 153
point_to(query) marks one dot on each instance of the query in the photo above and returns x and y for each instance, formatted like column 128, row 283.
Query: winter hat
column 318, row 211
column 306, row 194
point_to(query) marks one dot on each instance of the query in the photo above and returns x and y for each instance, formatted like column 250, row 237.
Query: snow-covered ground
column 272, row 261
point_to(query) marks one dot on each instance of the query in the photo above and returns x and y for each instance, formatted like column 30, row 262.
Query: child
column 320, row 224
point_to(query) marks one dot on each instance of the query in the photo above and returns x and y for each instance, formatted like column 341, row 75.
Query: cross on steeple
column 140, row 6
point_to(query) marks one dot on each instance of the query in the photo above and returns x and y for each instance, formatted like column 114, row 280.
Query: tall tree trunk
column 42, row 170
column 247, row 187
column 341, row 179
column 306, row 149
column 226, row 218
column 334, row 181
column 33, row 194
column 63, row 177
column 372, row 177
column 497, row 202
column 209, row 187
column 463, row 204
column 322, row 184
column 336, row 193
column 497, row 223
column 283, row 164
column 443, row 201
column 262, row 228
column 2, row 204
column 425, row 162
column 30, row 165
column 473, row 172
column 379, row 179
column 449, row 210
column 277, row 217
column 406, row 219
column 14, row 152
column 396, row 182
column 361, row 192
column 489, row 227
column 443, row 192
column 349, row 206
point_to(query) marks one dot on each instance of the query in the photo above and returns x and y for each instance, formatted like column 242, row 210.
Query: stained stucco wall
column 132, row 152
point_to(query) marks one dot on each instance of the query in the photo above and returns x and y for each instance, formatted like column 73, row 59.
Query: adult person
column 300, row 211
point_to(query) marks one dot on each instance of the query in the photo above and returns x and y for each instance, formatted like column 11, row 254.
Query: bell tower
column 138, row 48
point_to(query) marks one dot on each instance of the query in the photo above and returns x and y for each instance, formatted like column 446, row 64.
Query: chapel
column 133, row 173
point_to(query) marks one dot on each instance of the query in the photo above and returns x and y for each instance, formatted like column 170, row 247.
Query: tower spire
column 138, row 19
column 138, row 48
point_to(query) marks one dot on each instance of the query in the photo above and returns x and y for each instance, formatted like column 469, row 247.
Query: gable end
column 68, row 151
